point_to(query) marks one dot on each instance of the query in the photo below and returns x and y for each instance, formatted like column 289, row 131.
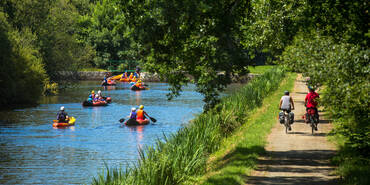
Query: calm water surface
column 32, row 151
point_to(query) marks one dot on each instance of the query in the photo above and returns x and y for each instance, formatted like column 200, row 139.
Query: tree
column 181, row 38
column 22, row 75
column 104, row 31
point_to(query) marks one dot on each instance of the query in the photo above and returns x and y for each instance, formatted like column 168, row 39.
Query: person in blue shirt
column 133, row 113
column 62, row 116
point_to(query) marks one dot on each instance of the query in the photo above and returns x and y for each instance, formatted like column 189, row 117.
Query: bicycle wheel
column 312, row 124
column 286, row 124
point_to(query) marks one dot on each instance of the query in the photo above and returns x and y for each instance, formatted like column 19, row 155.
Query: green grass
column 260, row 69
column 178, row 158
column 238, row 154
column 93, row 69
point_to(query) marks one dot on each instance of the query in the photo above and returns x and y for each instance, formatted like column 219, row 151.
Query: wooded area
column 326, row 40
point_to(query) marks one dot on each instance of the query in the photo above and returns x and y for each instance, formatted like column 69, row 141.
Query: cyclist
column 287, row 104
column 311, row 103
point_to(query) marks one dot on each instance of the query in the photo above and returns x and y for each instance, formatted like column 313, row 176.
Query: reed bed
column 179, row 156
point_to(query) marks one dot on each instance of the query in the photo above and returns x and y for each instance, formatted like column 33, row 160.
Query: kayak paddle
column 153, row 119
column 122, row 120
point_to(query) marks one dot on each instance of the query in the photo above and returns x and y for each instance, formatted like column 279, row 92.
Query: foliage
column 344, row 71
column 180, row 38
column 272, row 24
column 54, row 23
column 174, row 159
column 22, row 72
column 103, row 29
column 327, row 41
column 353, row 168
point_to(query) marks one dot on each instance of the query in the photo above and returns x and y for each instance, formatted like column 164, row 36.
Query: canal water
column 33, row 152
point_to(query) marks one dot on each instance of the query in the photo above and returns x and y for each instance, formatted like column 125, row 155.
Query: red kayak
column 109, row 83
column 137, row 122
column 136, row 88
column 94, row 103
column 108, row 99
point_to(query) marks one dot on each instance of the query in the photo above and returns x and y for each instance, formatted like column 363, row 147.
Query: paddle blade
column 122, row 120
column 153, row 119
column 72, row 120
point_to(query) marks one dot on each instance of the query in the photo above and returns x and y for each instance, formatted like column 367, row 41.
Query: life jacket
column 140, row 114
column 92, row 96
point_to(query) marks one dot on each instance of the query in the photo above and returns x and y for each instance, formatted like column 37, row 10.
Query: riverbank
column 145, row 76
column 176, row 158
column 98, row 74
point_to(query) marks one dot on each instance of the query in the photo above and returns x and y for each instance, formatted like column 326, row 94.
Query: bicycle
column 312, row 119
column 287, row 120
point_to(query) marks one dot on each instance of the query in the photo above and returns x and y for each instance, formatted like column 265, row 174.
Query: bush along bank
column 178, row 157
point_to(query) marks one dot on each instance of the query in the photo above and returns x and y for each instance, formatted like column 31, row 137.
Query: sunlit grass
column 181, row 156
column 93, row 69
column 260, row 69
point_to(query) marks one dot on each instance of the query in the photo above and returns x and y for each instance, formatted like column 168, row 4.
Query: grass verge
column 238, row 154
column 93, row 69
column 260, row 69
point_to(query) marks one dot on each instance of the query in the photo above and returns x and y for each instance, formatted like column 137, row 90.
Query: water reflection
column 138, row 131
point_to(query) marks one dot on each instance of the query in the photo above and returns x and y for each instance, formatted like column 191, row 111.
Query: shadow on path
column 304, row 167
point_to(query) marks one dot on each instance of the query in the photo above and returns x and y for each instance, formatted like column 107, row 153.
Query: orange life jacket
column 140, row 114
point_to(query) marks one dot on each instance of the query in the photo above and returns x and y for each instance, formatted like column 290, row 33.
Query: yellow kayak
column 71, row 122
column 117, row 77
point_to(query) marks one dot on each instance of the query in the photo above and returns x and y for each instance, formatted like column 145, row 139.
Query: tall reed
column 179, row 156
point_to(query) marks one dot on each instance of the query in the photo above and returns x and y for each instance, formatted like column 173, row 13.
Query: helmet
column 93, row 92
column 141, row 107
column 286, row 92
column 99, row 91
column 62, row 108
column 310, row 88
column 139, row 81
column 133, row 109
column 96, row 96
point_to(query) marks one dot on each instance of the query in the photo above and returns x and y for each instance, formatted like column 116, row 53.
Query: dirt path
column 297, row 157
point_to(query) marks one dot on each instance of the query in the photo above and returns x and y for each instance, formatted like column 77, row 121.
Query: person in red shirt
column 310, row 101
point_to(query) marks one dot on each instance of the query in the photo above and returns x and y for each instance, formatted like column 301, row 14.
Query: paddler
column 140, row 114
column 62, row 116
column 92, row 95
column 139, row 83
column 133, row 113
column 131, row 76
